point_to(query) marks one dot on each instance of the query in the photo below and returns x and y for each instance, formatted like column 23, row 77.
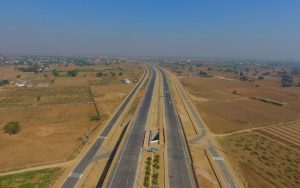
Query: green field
column 33, row 179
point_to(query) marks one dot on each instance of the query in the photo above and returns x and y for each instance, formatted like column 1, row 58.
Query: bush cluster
column 12, row 127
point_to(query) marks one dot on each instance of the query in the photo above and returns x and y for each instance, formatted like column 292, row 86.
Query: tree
column 296, row 71
column 203, row 73
column 55, row 72
column 120, row 73
column 286, row 80
column 113, row 74
column 72, row 73
column 99, row 74
column 4, row 82
column 12, row 127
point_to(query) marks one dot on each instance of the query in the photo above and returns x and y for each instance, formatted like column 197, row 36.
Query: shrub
column 146, row 181
column 203, row 73
column 94, row 118
column 4, row 82
column 99, row 74
column 149, row 163
column 12, row 127
column 72, row 73
column 156, row 166
column 148, row 172
column 55, row 72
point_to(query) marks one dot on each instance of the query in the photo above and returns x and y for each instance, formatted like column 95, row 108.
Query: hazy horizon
column 216, row 29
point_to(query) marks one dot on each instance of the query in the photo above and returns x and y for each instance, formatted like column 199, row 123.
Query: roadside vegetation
column 148, row 172
column 33, row 179
column 151, row 171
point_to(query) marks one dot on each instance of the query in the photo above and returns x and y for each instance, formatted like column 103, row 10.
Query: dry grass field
column 109, row 98
column 256, row 122
column 287, row 133
column 225, row 112
column 263, row 162
column 28, row 97
column 48, row 134
column 55, row 119
column 8, row 72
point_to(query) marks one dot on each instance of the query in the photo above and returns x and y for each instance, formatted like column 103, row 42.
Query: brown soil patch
column 225, row 112
column 109, row 98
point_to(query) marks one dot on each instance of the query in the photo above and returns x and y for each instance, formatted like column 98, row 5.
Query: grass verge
column 32, row 179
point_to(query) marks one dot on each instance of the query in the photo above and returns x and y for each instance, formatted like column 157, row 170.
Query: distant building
column 20, row 84
column 127, row 81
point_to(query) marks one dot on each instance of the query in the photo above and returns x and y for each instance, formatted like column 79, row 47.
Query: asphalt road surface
column 179, row 166
column 124, row 171
column 222, row 167
column 76, row 174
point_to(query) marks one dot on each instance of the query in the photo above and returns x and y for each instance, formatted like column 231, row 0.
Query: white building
column 127, row 81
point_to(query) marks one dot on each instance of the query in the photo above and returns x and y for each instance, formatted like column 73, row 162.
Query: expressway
column 179, row 165
column 77, row 173
column 123, row 173
column 226, row 174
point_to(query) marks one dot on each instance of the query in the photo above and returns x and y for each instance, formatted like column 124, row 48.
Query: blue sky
column 195, row 28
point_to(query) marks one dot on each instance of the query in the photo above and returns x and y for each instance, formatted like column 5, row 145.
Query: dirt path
column 62, row 164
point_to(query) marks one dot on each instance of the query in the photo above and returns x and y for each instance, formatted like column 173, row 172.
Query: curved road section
column 123, row 173
column 76, row 174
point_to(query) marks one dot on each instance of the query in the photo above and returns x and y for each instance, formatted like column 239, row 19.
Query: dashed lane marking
column 218, row 158
column 102, row 137
column 75, row 175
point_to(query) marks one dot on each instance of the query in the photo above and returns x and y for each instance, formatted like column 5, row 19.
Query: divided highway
column 179, row 166
column 124, row 171
column 76, row 174
column 226, row 174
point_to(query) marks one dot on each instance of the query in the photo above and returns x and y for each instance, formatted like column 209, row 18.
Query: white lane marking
column 75, row 175
column 218, row 158
column 102, row 137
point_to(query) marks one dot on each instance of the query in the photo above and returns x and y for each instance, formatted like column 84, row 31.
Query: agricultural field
column 254, row 113
column 287, row 133
column 38, row 178
column 262, row 162
column 230, row 105
column 55, row 119
column 48, row 134
column 29, row 97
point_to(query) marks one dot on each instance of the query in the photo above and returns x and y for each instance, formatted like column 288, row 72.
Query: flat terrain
column 48, row 134
column 55, row 119
column 287, row 133
column 224, row 111
column 262, row 162
column 28, row 97
column 255, row 120
column 37, row 178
